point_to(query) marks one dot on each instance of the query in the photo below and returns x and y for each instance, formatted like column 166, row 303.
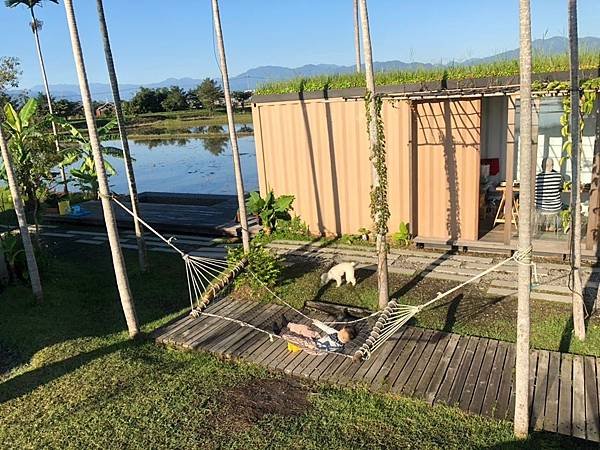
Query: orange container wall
column 448, row 159
column 318, row 151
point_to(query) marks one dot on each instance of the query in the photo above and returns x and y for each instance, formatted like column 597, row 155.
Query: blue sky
column 154, row 40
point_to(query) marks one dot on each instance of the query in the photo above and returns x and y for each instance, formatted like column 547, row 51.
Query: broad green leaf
column 12, row 118
column 27, row 111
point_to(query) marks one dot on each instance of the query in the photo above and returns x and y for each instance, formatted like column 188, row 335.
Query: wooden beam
column 591, row 237
column 413, row 170
column 511, row 143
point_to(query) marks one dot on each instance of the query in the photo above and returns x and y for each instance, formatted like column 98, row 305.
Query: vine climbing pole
column 521, row 419
column 239, row 181
column 379, row 206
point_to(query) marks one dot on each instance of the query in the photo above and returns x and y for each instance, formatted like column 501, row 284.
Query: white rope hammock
column 207, row 277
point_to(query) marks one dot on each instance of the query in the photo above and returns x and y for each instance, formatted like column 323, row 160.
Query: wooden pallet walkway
column 473, row 373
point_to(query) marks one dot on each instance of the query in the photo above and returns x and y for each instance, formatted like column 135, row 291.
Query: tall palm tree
column 382, row 268
column 36, row 26
column 114, row 84
column 577, row 297
column 109, row 216
column 521, row 422
column 239, row 181
column 357, row 36
column 32, row 268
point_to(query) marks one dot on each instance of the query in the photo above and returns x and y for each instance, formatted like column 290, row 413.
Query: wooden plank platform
column 473, row 373
column 179, row 213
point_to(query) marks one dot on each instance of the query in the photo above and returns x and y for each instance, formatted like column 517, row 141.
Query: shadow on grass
column 25, row 383
column 81, row 298
column 543, row 440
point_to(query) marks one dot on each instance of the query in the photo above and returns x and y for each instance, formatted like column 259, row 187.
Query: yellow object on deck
column 64, row 208
column 293, row 348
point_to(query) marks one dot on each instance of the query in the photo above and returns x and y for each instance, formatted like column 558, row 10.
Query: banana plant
column 85, row 175
column 32, row 149
column 270, row 209
column 14, row 254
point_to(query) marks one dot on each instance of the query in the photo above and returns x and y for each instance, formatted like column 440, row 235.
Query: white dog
column 337, row 272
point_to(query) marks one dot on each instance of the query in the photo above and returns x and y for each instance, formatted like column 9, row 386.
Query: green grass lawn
column 71, row 379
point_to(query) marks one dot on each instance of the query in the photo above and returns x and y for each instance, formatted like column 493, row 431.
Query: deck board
column 493, row 386
column 541, row 391
column 566, row 395
column 552, row 391
column 483, row 379
column 474, row 373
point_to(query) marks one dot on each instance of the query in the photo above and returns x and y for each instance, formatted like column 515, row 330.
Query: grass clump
column 541, row 64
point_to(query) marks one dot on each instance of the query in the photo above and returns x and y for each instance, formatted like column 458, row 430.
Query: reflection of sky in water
column 198, row 166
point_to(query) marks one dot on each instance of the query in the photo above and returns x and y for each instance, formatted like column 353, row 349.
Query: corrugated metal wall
column 318, row 151
column 448, row 159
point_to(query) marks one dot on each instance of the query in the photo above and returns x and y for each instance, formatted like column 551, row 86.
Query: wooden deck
column 475, row 374
column 180, row 213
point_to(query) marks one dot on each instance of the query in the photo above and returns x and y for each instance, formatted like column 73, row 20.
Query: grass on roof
column 541, row 64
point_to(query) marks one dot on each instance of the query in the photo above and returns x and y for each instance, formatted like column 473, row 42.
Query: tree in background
column 175, row 99
column 146, row 101
column 36, row 26
column 9, row 72
column 521, row 419
column 575, row 139
column 109, row 216
column 209, row 93
column 241, row 97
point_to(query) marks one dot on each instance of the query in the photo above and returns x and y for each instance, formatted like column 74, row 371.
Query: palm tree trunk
column 521, row 420
column 32, row 268
column 357, row 36
column 109, row 217
column 38, row 46
column 239, row 181
column 382, row 268
column 577, row 297
column 114, row 84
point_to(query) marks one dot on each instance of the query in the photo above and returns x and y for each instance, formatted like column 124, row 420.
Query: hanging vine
column 380, row 211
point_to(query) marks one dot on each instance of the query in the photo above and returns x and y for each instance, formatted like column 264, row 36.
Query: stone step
column 563, row 289
column 446, row 277
column 391, row 269
column 432, row 262
column 64, row 235
column 89, row 241
column 534, row 295
column 506, row 268
column 447, row 256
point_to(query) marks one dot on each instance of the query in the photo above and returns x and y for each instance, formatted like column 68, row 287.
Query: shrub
column 270, row 209
column 264, row 267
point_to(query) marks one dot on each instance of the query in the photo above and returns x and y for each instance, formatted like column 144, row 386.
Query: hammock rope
column 395, row 315
column 207, row 277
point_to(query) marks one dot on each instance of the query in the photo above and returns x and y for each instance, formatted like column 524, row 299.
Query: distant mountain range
column 253, row 77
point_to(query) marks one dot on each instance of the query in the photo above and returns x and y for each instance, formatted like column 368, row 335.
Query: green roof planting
column 506, row 68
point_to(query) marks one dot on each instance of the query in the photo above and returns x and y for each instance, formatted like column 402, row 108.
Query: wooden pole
column 107, row 208
column 521, row 419
column 239, row 181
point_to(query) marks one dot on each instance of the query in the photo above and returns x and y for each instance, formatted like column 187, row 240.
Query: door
column 448, row 164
